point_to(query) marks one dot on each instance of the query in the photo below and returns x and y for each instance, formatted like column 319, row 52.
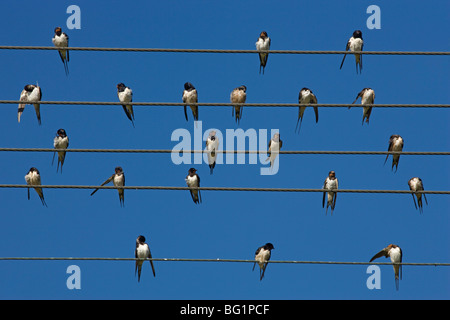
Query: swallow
column 275, row 145
column 395, row 144
column 331, row 182
column 306, row 96
column 61, row 39
column 263, row 43
column 367, row 96
column 61, row 141
column 125, row 95
column 142, row 252
column 31, row 94
column 395, row 253
column 118, row 179
column 212, row 145
column 238, row 97
column 355, row 43
column 193, row 181
column 190, row 97
column 262, row 257
column 33, row 178
column 416, row 184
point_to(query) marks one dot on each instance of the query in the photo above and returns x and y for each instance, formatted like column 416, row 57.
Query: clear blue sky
column 228, row 225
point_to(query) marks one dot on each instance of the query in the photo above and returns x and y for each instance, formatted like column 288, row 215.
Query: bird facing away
column 395, row 253
column 118, row 179
column 306, row 96
column 331, row 183
column 367, row 96
column 33, row 178
column 355, row 43
column 61, row 141
column 212, row 145
column 193, row 181
column 31, row 94
column 237, row 98
column 275, row 145
column 125, row 95
column 142, row 251
column 395, row 144
column 262, row 257
column 416, row 184
column 263, row 43
column 60, row 39
column 190, row 96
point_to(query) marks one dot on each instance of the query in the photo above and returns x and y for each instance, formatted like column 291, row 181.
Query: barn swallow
column 263, row 43
column 415, row 184
column 193, row 181
column 238, row 97
column 31, row 94
column 212, row 145
column 331, row 182
column 125, row 95
column 33, row 178
column 262, row 257
column 395, row 253
column 367, row 96
column 355, row 43
column 61, row 141
column 118, row 179
column 142, row 252
column 190, row 96
column 306, row 96
column 395, row 144
column 60, row 39
column 275, row 145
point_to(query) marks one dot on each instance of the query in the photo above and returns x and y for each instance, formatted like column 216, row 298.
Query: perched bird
column 125, row 95
column 355, row 43
column 60, row 39
column 263, row 43
column 331, row 183
column 395, row 253
column 190, row 97
column 212, row 145
column 118, row 179
column 237, row 97
column 31, row 94
column 33, row 178
column 306, row 96
column 416, row 184
column 275, row 145
column 61, row 141
column 395, row 144
column 262, row 257
column 367, row 96
column 193, row 181
column 142, row 252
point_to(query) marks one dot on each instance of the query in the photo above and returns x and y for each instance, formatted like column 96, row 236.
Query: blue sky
column 228, row 225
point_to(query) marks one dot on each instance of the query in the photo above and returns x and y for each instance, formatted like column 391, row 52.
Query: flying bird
column 190, row 97
column 416, row 184
column 193, row 181
column 331, row 183
column 125, row 95
column 306, row 96
column 395, row 253
column 238, row 97
column 263, row 43
column 61, row 40
column 142, row 252
column 395, row 144
column 31, row 94
column 61, row 141
column 33, row 178
column 275, row 145
column 118, row 179
column 355, row 43
column 212, row 145
column 262, row 257
column 367, row 96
